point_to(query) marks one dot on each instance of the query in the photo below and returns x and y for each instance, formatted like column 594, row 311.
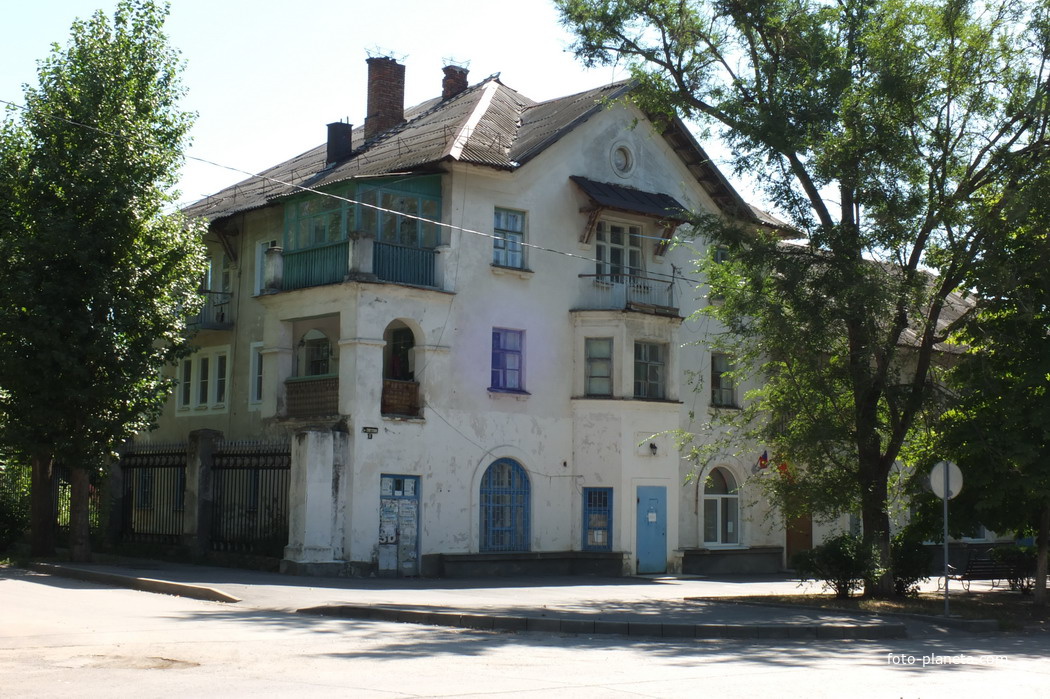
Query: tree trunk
column 876, row 525
column 79, row 522
column 42, row 507
column 1042, row 536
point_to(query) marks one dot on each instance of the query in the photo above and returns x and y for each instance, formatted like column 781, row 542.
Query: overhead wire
column 312, row 190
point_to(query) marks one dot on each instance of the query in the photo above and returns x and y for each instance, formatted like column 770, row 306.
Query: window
column 598, row 360
column 723, row 394
column 315, row 353
column 220, row 378
column 509, row 233
column 597, row 519
column 185, row 383
column 650, row 361
column 505, row 507
column 721, row 515
column 203, row 374
column 507, row 364
column 204, row 380
column 255, row 379
column 617, row 251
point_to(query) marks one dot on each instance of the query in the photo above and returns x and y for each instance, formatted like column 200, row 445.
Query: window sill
column 721, row 408
column 518, row 395
column 520, row 272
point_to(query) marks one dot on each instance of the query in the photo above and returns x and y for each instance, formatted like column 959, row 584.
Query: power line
column 302, row 188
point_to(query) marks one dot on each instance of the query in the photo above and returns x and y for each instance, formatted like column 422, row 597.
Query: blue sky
column 265, row 77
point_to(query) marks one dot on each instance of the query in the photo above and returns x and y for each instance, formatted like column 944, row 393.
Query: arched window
column 315, row 354
column 505, row 507
column 721, row 508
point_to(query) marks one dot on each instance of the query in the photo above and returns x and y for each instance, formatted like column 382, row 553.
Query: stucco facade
column 532, row 367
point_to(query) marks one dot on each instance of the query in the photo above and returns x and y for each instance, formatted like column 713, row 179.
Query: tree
column 878, row 127
column 97, row 281
column 999, row 429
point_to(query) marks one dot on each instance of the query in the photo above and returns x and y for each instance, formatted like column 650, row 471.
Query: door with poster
column 399, row 526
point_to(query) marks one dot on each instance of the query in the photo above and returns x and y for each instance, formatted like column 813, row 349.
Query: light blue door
column 652, row 528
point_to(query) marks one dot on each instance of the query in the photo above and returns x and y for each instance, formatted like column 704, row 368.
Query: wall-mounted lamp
column 652, row 448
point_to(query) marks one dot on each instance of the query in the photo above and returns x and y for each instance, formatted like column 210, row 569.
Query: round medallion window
column 622, row 160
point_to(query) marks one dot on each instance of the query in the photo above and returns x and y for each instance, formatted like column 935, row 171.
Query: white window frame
column 726, row 510
column 508, row 231
column 200, row 375
column 255, row 374
column 648, row 362
column 629, row 250
column 723, row 388
column 594, row 365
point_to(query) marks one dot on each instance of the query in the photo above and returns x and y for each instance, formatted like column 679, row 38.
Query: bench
column 979, row 568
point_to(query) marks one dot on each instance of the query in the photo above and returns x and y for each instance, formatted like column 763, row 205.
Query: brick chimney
column 454, row 82
column 386, row 96
column 340, row 144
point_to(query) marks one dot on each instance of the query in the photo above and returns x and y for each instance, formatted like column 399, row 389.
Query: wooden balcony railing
column 324, row 264
column 311, row 396
column 400, row 398
column 405, row 265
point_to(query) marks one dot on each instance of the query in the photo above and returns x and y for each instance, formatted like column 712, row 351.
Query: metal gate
column 250, row 498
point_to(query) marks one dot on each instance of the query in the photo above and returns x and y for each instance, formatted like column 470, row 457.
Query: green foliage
column 14, row 503
column 911, row 562
column 886, row 132
column 1022, row 559
column 843, row 562
column 97, row 280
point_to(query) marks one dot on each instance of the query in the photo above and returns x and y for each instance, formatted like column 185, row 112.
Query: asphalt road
column 65, row 638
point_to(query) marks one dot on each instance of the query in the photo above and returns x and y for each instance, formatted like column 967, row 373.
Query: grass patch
column 1012, row 610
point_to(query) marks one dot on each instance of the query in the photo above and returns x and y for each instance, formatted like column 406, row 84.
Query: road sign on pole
column 946, row 481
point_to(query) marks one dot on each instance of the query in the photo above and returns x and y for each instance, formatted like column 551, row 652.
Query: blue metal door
column 652, row 528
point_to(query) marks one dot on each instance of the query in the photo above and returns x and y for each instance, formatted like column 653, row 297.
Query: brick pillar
column 386, row 96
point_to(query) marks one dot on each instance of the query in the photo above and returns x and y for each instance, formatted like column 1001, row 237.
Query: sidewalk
column 652, row 606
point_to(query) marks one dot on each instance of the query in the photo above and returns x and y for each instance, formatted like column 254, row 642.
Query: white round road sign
column 955, row 479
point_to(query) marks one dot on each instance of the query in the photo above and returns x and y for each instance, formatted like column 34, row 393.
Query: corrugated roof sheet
column 623, row 198
column 487, row 124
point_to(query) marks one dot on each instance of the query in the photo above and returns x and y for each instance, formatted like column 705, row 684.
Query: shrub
column 911, row 563
column 842, row 562
column 1022, row 559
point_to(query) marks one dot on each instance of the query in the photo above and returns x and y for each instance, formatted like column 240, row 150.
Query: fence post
column 199, row 460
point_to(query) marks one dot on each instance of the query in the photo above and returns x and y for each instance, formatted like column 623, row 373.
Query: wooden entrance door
column 799, row 536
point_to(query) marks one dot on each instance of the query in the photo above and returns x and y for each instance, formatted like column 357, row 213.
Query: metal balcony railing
column 324, row 264
column 626, row 292
column 216, row 313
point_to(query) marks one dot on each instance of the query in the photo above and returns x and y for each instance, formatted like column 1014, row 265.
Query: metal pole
column 945, row 539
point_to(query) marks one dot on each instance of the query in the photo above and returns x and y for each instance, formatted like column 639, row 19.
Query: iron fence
column 250, row 498
column 154, row 494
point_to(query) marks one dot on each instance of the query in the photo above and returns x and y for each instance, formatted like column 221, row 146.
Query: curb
column 969, row 625
column 580, row 625
column 166, row 587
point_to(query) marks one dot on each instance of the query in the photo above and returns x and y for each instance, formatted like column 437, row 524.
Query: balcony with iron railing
column 311, row 396
column 602, row 292
column 216, row 313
